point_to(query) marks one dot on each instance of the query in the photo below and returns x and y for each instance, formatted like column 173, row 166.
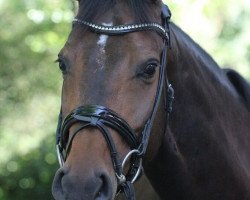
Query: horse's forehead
column 101, row 45
column 83, row 44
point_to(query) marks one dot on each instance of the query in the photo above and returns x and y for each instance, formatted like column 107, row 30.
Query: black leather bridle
column 103, row 118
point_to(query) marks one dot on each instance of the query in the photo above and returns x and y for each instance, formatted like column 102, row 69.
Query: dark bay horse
column 116, row 99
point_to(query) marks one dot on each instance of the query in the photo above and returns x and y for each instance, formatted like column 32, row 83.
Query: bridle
column 103, row 118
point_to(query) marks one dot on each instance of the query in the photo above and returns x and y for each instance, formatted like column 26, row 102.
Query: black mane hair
column 92, row 9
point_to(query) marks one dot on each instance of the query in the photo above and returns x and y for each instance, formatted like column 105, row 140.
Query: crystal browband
column 122, row 29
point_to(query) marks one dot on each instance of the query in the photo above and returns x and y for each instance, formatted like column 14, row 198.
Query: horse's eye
column 62, row 65
column 150, row 70
column 146, row 71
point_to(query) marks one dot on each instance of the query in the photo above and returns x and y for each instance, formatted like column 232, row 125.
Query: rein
column 103, row 118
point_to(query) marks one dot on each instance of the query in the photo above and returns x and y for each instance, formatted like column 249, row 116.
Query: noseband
column 103, row 118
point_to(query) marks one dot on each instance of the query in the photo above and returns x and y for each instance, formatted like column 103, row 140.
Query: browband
column 123, row 29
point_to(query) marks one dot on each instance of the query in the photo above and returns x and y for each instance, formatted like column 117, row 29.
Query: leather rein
column 103, row 118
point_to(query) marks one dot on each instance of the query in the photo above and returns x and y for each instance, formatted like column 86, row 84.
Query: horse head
column 113, row 67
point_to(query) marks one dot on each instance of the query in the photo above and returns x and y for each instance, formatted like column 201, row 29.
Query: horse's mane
column 230, row 79
column 193, row 47
column 92, row 9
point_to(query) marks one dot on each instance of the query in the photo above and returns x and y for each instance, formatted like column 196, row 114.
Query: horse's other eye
column 149, row 69
column 62, row 65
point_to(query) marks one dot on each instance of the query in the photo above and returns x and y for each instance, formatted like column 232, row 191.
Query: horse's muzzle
column 67, row 186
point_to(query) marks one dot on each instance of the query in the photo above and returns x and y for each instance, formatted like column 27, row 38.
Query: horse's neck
column 206, row 102
column 206, row 151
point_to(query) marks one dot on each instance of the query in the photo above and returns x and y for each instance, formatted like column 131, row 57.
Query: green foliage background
column 31, row 35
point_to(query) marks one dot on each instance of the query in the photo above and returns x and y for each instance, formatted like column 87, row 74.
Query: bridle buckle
column 120, row 178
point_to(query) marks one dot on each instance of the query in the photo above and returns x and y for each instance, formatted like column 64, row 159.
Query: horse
column 140, row 96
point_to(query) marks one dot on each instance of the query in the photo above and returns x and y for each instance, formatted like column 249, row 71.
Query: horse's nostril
column 104, row 191
column 57, row 189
